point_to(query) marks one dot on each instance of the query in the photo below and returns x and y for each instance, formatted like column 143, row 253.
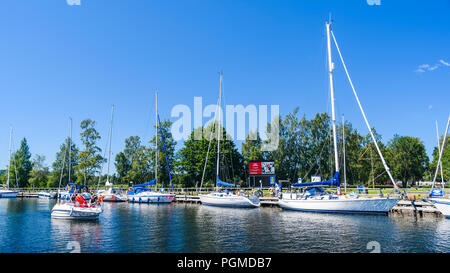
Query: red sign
column 254, row 168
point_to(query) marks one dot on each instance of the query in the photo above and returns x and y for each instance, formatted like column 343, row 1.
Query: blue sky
column 59, row 61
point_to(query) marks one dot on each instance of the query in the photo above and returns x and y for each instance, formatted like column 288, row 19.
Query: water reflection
column 26, row 226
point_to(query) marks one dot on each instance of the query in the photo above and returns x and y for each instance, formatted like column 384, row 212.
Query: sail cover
column 223, row 184
column 150, row 183
column 332, row 182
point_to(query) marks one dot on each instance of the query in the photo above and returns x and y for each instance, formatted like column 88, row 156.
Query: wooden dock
column 415, row 208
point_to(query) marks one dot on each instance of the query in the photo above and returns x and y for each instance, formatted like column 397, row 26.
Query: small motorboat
column 79, row 209
column 228, row 198
column 47, row 195
column 70, row 211
column 112, row 194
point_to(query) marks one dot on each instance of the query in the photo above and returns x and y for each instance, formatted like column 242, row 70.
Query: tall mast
column 442, row 151
column 70, row 145
column 333, row 116
column 219, row 126
column 110, row 137
column 156, row 141
column 364, row 115
column 343, row 152
column 439, row 151
column 10, row 139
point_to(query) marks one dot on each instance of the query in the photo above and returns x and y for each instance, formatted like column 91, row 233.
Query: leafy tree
column 169, row 143
column 445, row 161
column 134, row 164
column 407, row 158
column 191, row 159
column 90, row 158
column 21, row 164
column 39, row 174
column 62, row 157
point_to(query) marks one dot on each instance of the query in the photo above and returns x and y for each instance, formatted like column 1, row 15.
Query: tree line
column 305, row 149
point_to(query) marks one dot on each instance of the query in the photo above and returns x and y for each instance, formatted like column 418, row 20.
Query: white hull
column 151, row 197
column 8, row 194
column 341, row 205
column 443, row 205
column 69, row 211
column 229, row 200
column 112, row 195
column 47, row 195
column 114, row 198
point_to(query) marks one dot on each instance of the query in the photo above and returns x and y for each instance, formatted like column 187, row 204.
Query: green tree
column 62, row 157
column 191, row 159
column 134, row 163
column 21, row 164
column 40, row 172
column 90, row 158
column 407, row 158
column 169, row 143
column 445, row 161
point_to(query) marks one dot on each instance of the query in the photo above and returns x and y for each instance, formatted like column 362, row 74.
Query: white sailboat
column 73, row 209
column 225, row 198
column 6, row 192
column 437, row 195
column 111, row 194
column 140, row 193
column 314, row 198
column 47, row 195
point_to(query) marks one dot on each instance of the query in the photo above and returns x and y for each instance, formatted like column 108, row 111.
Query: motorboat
column 229, row 198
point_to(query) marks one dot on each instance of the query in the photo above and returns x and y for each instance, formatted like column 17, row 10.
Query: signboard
column 315, row 179
column 272, row 180
column 268, row 167
column 300, row 180
column 261, row 168
column 254, row 168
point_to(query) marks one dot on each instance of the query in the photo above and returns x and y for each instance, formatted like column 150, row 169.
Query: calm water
column 26, row 226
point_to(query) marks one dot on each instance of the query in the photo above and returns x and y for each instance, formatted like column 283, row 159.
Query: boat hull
column 234, row 201
column 114, row 198
column 443, row 205
column 8, row 194
column 70, row 212
column 151, row 198
column 351, row 205
column 46, row 195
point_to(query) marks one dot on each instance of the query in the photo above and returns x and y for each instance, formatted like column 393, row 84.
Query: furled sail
column 332, row 182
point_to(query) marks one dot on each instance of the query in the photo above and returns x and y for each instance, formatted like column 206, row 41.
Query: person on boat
column 73, row 196
column 93, row 200
column 80, row 201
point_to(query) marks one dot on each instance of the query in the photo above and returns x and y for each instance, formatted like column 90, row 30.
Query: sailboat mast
column 343, row 152
column 110, row 137
column 156, row 141
column 363, row 114
column 10, row 140
column 219, row 126
column 70, row 145
column 333, row 116
column 439, row 151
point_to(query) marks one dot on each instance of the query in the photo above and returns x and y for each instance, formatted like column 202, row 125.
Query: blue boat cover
column 220, row 183
column 332, row 182
column 150, row 183
column 437, row 193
